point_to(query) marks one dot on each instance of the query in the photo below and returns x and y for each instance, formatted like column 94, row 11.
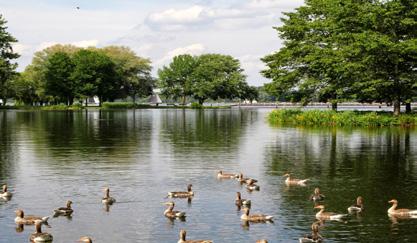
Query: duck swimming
column 222, row 175
column 107, row 199
column 245, row 180
column 241, row 202
column 39, row 236
column 262, row 241
column 317, row 196
column 170, row 213
column 314, row 237
column 187, row 194
column 64, row 211
column 5, row 194
column 251, row 186
column 183, row 234
column 294, row 182
column 29, row 219
column 357, row 207
column 85, row 239
column 321, row 215
column 393, row 211
column 255, row 218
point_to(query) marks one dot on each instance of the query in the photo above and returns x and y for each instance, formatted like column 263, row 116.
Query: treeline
column 335, row 51
column 62, row 73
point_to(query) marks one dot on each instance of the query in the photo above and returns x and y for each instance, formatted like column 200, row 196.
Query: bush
column 124, row 105
column 342, row 119
column 196, row 105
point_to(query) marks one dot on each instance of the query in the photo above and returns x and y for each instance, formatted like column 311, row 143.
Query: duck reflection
column 20, row 228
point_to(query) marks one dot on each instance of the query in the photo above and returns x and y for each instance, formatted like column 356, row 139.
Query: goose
column 187, row 194
column 245, row 180
column 317, row 196
column 328, row 215
column 107, row 199
column 170, row 213
column 29, row 219
column 357, row 207
column 262, row 241
column 251, row 186
column 241, row 202
column 294, row 182
column 314, row 237
column 85, row 239
column 39, row 236
column 5, row 194
column 393, row 211
column 222, row 175
column 64, row 211
column 255, row 217
column 183, row 234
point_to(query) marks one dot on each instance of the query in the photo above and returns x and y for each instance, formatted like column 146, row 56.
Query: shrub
column 196, row 105
column 123, row 105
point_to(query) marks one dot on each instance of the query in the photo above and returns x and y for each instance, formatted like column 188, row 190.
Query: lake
column 47, row 158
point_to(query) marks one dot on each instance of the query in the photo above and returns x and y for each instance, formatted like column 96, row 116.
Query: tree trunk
column 408, row 107
column 86, row 102
column 134, row 99
column 201, row 101
column 184, row 99
column 334, row 106
column 397, row 108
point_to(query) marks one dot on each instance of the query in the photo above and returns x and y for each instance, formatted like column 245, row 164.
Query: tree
column 176, row 79
column 134, row 71
column 217, row 76
column 249, row 93
column 58, row 70
column 24, row 89
column 7, row 66
column 95, row 74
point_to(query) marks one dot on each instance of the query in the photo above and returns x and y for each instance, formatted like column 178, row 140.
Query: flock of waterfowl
column 317, row 197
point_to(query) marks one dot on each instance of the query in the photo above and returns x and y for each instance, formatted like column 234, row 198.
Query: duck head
column 220, row 172
column 20, row 213
column 170, row 204
column 106, row 192
column 189, row 187
column 38, row 226
column 393, row 201
column 359, row 200
column 317, row 191
column 238, row 196
column 183, row 234
column 4, row 188
column 319, row 207
column 69, row 203
column 287, row 175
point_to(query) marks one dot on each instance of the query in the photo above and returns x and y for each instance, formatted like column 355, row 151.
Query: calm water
column 49, row 157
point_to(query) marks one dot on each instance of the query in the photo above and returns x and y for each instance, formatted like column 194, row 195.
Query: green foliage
column 7, row 66
column 196, row 105
column 124, row 105
column 62, row 107
column 340, row 119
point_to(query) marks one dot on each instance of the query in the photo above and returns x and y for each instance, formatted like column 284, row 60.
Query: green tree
column 249, row 93
column 7, row 66
column 217, row 76
column 58, row 70
column 176, row 78
column 134, row 71
column 24, row 89
column 95, row 74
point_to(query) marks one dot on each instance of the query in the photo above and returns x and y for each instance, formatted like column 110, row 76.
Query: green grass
column 75, row 107
column 339, row 119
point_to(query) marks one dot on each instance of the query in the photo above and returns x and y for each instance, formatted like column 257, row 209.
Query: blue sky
column 156, row 29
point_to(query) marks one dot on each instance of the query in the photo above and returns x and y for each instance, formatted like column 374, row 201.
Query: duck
column 262, row 241
column 314, row 237
column 5, row 194
column 245, row 180
column 393, row 211
column 187, row 194
column 255, row 217
column 85, row 239
column 29, row 219
column 294, row 182
column 182, row 239
column 240, row 201
column 64, row 211
column 40, row 236
column 221, row 175
column 317, row 196
column 107, row 199
column 251, row 186
column 328, row 215
column 357, row 207
column 170, row 213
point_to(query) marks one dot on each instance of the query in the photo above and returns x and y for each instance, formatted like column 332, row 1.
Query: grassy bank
column 342, row 119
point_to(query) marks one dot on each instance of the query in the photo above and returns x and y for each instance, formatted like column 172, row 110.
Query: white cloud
column 194, row 49
column 20, row 48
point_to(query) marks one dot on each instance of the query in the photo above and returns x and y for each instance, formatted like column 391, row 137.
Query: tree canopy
column 355, row 49
column 7, row 65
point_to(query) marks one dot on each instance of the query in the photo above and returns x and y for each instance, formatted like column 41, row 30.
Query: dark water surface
column 49, row 157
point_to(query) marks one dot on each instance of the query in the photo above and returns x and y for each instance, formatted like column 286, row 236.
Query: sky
column 155, row 29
